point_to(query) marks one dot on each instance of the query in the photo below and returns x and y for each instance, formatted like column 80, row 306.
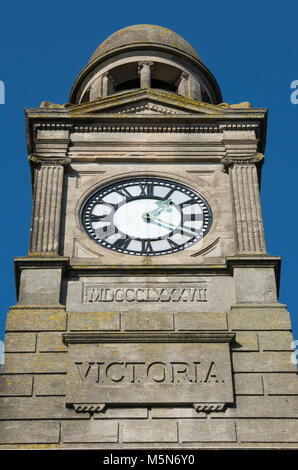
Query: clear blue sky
column 251, row 47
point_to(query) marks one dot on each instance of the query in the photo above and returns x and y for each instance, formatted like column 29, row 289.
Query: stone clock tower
column 147, row 312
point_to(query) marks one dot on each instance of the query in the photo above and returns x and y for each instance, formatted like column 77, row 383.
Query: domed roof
column 144, row 35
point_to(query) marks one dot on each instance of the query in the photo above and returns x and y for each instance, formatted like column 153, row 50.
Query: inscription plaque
column 103, row 293
column 168, row 372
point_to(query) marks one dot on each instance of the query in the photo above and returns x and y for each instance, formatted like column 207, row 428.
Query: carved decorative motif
column 229, row 161
column 49, row 160
column 208, row 407
column 90, row 408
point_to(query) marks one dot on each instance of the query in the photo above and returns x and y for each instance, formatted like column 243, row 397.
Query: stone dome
column 144, row 35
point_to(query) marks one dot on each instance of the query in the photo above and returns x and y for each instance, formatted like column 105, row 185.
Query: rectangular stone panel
column 138, row 293
column 246, row 341
column 15, row 385
column 90, row 431
column 248, row 384
column 96, row 321
column 149, row 373
column 20, row 342
column 176, row 412
column 200, row 321
column 281, row 384
column 149, row 431
column 49, row 385
column 36, row 408
column 147, row 321
column 276, row 341
column 50, row 342
column 29, row 432
column 206, row 431
column 36, row 320
column 263, row 362
column 262, row 407
column 259, row 319
column 267, row 430
column 30, row 363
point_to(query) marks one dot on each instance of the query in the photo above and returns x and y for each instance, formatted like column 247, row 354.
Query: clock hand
column 165, row 224
column 161, row 206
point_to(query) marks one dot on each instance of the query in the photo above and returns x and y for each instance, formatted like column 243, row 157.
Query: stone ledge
column 148, row 337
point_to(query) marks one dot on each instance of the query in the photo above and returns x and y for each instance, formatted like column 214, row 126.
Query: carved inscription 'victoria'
column 149, row 373
column 173, row 372
column 96, row 294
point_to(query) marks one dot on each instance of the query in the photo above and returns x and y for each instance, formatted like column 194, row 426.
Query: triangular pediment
column 144, row 102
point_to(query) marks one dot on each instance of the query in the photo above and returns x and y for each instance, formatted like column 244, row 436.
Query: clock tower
column 148, row 313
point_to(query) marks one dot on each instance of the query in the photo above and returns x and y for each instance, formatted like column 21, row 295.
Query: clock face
column 146, row 216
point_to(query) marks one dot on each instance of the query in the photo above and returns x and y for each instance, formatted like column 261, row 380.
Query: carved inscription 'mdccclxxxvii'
column 102, row 293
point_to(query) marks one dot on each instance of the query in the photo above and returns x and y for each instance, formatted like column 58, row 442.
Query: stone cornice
column 74, row 269
column 148, row 337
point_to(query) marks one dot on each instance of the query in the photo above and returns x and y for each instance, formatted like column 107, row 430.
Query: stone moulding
column 208, row 407
column 148, row 337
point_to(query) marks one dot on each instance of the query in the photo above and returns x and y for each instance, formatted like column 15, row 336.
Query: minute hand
column 163, row 223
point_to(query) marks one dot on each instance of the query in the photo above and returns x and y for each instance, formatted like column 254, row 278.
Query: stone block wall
column 33, row 384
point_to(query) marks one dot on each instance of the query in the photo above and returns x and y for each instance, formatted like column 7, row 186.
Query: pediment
column 144, row 102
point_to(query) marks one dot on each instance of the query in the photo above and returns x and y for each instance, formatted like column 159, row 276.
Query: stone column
column 182, row 84
column 107, row 85
column 145, row 69
column 47, row 200
column 246, row 196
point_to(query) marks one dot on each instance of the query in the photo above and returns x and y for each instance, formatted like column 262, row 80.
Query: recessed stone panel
column 149, row 373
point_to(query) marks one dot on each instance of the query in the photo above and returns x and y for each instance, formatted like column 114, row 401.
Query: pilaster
column 240, row 161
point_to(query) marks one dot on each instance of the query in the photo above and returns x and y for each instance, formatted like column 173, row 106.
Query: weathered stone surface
column 149, row 431
column 30, row 363
column 20, row 342
column 267, row 430
column 138, row 293
column 263, row 362
column 246, row 341
column 262, row 318
column 29, row 432
column 36, row 320
column 170, row 412
column 37, row 408
column 262, row 407
column 207, row 431
column 281, row 384
column 15, row 385
column 90, row 431
column 201, row 321
column 255, row 284
column 147, row 321
column 276, row 341
column 149, row 373
column 50, row 342
column 49, row 384
column 123, row 413
column 248, row 384
column 94, row 321
column 40, row 286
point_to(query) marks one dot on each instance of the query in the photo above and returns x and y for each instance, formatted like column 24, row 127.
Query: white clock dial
column 146, row 216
